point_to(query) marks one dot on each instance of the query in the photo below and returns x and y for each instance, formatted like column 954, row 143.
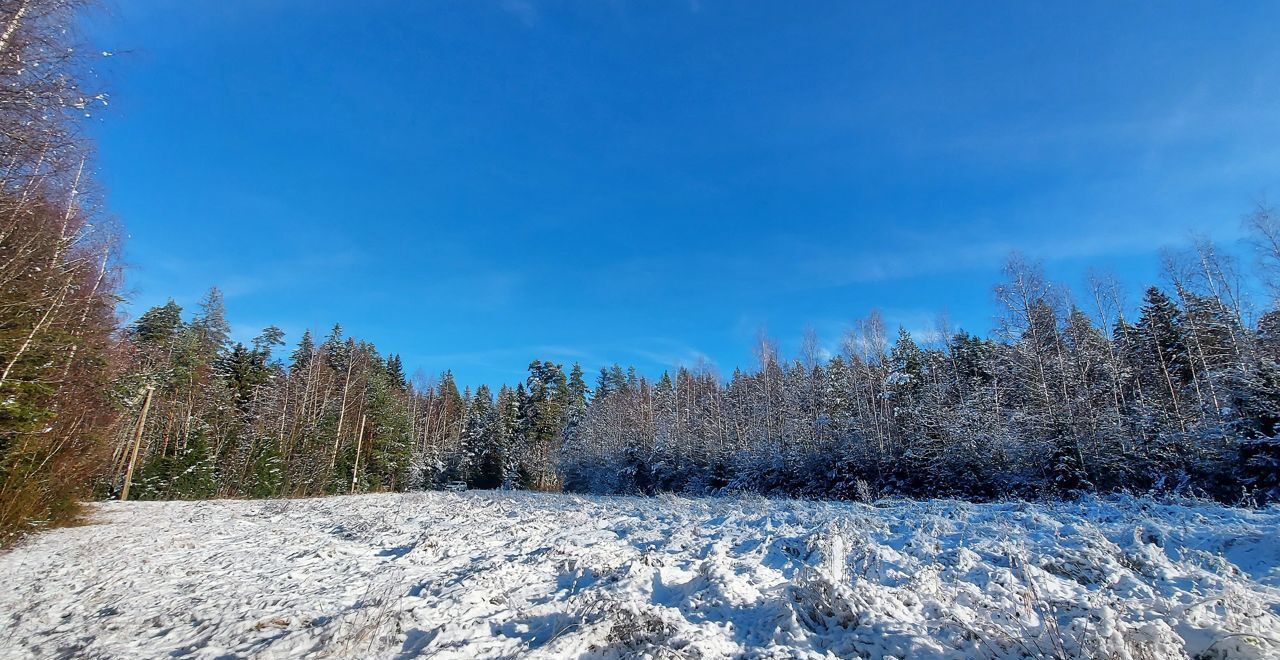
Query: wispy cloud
column 649, row 353
column 193, row 277
column 666, row 352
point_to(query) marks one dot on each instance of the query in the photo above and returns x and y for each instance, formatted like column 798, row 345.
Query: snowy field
column 489, row 575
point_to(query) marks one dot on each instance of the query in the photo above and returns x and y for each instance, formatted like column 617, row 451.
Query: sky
column 476, row 184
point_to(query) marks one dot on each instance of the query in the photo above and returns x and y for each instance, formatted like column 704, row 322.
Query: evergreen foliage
column 1184, row 398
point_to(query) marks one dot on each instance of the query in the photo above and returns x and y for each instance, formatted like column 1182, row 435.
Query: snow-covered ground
column 481, row 575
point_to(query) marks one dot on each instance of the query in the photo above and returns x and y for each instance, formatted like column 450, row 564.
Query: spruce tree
column 395, row 371
column 211, row 324
column 1162, row 359
column 387, row 444
column 301, row 357
column 481, row 442
column 158, row 326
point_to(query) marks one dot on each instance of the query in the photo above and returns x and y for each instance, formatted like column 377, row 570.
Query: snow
column 489, row 574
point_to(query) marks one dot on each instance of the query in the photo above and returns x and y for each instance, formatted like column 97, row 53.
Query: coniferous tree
column 158, row 326
column 481, row 442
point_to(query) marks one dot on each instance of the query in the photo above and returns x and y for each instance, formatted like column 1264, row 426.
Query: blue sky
column 478, row 184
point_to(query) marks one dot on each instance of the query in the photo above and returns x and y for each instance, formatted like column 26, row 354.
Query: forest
column 1182, row 396
column 1178, row 391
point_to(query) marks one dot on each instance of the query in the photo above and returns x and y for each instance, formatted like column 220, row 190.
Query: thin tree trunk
column 355, row 471
column 137, row 441
column 342, row 412
column 88, row 306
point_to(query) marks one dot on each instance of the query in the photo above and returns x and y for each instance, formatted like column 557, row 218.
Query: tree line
column 1180, row 394
column 333, row 416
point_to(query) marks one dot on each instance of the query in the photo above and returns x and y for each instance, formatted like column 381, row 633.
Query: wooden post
column 137, row 440
column 355, row 471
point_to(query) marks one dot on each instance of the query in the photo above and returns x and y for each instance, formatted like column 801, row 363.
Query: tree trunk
column 137, row 441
